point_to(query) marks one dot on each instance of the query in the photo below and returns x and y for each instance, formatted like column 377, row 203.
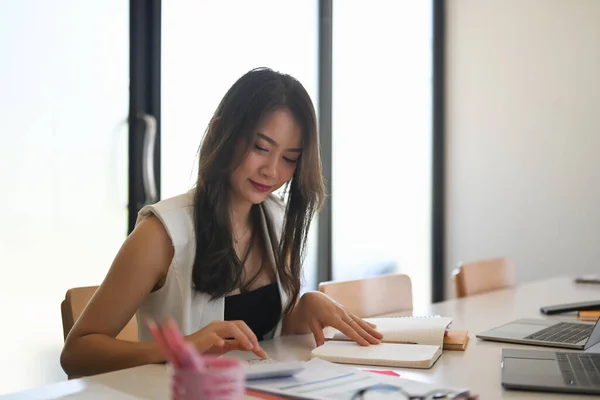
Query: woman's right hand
column 224, row 336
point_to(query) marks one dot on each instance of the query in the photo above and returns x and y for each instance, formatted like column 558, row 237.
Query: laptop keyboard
column 563, row 332
column 580, row 369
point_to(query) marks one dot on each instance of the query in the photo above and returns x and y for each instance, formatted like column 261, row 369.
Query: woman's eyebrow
column 274, row 143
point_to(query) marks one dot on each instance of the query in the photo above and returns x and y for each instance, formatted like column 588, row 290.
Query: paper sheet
column 323, row 380
column 73, row 390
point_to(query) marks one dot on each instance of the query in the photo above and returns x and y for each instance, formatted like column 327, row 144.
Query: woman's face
column 271, row 160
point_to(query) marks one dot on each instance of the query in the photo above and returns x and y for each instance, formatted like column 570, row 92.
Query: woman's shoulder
column 183, row 200
column 175, row 214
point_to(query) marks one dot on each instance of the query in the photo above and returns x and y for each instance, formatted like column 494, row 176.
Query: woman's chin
column 260, row 199
column 255, row 198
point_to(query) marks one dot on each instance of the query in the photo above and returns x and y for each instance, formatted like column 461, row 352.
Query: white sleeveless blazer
column 177, row 298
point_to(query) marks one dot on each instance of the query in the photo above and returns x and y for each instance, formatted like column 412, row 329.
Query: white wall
column 523, row 134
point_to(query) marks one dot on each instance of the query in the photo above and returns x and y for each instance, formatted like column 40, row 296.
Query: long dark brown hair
column 217, row 269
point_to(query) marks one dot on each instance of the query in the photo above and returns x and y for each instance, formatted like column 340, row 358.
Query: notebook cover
column 456, row 340
column 589, row 315
column 384, row 354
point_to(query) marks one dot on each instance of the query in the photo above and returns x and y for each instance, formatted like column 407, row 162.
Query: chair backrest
column 483, row 276
column 76, row 299
column 372, row 296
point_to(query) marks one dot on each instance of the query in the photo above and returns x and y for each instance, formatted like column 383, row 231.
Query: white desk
column 477, row 368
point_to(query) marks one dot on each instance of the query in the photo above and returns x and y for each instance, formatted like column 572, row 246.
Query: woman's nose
column 269, row 169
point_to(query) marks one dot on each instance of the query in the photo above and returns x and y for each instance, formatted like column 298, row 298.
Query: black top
column 260, row 309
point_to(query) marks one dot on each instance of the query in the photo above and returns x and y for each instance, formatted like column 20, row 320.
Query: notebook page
column 409, row 330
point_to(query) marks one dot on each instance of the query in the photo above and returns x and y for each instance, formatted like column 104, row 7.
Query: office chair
column 76, row 299
column 483, row 276
column 372, row 296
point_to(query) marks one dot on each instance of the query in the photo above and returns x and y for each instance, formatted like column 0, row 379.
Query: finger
column 354, row 324
column 232, row 330
column 252, row 337
column 368, row 328
column 317, row 333
column 261, row 353
column 211, row 341
column 231, row 345
column 372, row 325
column 247, row 331
column 220, row 350
column 349, row 330
column 227, row 346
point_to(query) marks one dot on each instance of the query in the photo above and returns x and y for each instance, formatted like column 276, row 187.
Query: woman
column 223, row 260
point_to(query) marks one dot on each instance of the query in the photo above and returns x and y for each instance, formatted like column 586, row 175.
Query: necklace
column 237, row 240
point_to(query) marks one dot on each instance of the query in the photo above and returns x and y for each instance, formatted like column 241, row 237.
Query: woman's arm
column 293, row 323
column 141, row 263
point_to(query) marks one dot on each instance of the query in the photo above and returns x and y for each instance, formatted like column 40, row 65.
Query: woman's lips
column 260, row 187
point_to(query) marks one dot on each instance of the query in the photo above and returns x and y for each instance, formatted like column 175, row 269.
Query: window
column 206, row 47
column 381, row 123
column 65, row 79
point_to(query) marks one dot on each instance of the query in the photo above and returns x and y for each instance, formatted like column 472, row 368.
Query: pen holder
column 222, row 378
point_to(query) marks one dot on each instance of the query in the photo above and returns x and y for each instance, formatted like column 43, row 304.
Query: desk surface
column 477, row 368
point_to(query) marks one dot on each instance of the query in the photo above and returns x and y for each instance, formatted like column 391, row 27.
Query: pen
column 177, row 351
column 162, row 344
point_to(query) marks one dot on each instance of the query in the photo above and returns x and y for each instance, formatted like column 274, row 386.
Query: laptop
column 550, row 371
column 568, row 335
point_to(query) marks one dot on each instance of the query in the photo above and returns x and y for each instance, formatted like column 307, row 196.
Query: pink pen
column 186, row 354
column 156, row 332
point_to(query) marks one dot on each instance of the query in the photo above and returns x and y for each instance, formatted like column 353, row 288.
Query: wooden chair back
column 483, row 276
column 76, row 299
column 372, row 296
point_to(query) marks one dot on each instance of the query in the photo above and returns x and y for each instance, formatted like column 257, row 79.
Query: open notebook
column 417, row 330
column 408, row 342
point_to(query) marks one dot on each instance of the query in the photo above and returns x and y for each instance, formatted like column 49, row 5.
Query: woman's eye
column 259, row 148
column 291, row 161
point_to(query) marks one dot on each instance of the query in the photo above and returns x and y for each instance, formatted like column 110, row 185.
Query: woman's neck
column 240, row 218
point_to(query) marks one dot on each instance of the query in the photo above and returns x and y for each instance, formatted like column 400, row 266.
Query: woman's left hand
column 316, row 311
